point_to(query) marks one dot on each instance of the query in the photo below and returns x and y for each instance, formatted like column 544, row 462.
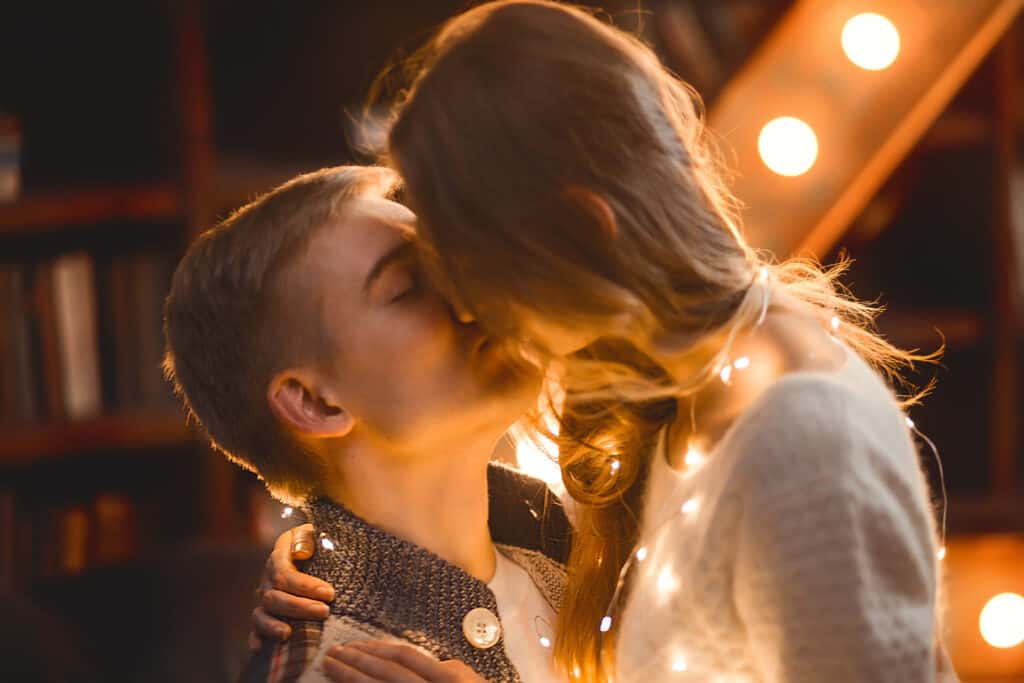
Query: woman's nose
column 463, row 314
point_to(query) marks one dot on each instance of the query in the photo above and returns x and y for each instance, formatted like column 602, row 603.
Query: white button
column 481, row 628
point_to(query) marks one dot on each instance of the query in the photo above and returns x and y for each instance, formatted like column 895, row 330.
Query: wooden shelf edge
column 27, row 444
column 60, row 209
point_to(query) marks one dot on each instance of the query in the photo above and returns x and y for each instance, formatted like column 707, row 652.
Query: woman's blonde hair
column 521, row 112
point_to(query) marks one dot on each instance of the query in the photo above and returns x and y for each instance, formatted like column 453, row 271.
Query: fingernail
column 301, row 547
column 284, row 633
column 324, row 611
column 325, row 593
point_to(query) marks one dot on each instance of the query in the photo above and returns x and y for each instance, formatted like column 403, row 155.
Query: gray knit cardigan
column 389, row 587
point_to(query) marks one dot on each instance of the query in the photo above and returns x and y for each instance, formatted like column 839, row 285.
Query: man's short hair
column 224, row 332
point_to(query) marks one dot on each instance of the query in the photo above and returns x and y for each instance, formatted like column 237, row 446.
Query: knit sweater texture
column 804, row 550
column 387, row 588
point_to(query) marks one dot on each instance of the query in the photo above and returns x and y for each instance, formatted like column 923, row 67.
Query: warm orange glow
column 788, row 146
column 871, row 41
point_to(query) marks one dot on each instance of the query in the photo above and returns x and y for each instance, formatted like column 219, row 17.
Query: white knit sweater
column 807, row 552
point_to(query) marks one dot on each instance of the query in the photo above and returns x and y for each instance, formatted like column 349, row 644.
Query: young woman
column 750, row 502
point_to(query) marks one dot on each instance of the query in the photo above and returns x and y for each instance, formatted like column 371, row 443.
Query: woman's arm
column 836, row 567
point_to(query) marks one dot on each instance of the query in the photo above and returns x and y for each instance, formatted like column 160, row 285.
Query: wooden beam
column 865, row 121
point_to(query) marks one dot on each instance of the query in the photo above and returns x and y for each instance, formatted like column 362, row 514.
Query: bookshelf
column 54, row 210
column 25, row 445
column 92, row 441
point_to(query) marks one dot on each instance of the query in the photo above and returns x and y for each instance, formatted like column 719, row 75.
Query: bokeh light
column 1002, row 621
column 871, row 41
column 788, row 146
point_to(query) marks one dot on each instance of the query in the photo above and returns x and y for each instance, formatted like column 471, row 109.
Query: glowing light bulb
column 741, row 363
column 667, row 581
column 678, row 664
column 615, row 465
column 726, row 373
column 834, row 322
column 641, row 554
column 287, row 512
column 545, row 642
column 694, row 458
column 327, row 543
column 690, row 506
column 762, row 274
column 941, row 554
column 606, row 625
column 910, row 423
column 871, row 41
column 1002, row 621
column 788, row 146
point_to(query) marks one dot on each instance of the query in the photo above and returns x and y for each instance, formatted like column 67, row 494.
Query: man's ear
column 302, row 403
column 595, row 206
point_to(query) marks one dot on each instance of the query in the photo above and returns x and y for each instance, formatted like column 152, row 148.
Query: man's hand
column 374, row 661
column 286, row 592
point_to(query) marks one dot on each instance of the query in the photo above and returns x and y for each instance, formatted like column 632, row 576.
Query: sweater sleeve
column 836, row 554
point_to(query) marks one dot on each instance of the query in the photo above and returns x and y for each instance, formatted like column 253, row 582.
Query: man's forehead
column 372, row 213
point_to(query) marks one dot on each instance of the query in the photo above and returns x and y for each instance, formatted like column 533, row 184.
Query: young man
column 303, row 338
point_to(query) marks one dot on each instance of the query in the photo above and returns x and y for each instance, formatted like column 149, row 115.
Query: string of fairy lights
column 694, row 459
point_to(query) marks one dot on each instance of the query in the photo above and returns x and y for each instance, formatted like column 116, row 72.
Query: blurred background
column 889, row 131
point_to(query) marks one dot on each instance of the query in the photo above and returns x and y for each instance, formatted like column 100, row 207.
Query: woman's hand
column 374, row 661
column 285, row 592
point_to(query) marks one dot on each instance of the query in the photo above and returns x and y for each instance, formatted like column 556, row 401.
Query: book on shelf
column 62, row 332
column 8, row 542
column 135, row 286
column 74, row 308
column 81, row 336
column 19, row 400
column 54, row 541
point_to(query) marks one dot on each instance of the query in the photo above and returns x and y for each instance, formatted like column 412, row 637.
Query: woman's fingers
column 302, row 542
column 281, row 573
column 267, row 626
column 255, row 642
column 285, row 605
column 356, row 662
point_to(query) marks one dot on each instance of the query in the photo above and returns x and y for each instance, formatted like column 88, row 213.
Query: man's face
column 404, row 367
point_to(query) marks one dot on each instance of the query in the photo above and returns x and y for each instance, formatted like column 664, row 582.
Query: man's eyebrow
column 399, row 252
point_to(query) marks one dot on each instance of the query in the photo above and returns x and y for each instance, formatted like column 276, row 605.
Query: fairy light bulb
column 641, row 554
column 726, row 373
column 327, row 543
column 615, row 465
column 667, row 581
column 941, row 554
column 690, row 506
column 693, row 457
column 678, row 664
column 1002, row 621
column 871, row 41
column 834, row 323
column 741, row 363
column 788, row 146
column 910, row 423
column 545, row 641
column 287, row 512
column 606, row 625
